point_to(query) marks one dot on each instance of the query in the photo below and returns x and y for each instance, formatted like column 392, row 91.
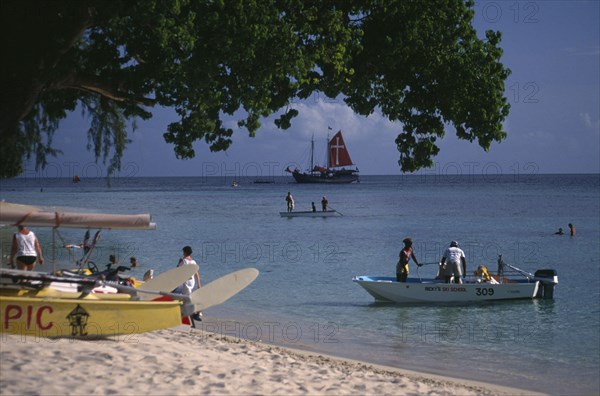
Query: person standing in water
column 26, row 248
column 192, row 283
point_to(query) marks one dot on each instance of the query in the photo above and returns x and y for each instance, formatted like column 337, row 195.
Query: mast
column 312, row 152
column 328, row 143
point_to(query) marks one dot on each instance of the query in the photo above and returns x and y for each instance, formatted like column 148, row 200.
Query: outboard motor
column 548, row 278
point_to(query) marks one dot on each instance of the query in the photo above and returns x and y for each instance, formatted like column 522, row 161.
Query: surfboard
column 222, row 289
column 166, row 281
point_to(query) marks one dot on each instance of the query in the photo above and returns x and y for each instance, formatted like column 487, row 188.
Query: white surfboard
column 167, row 281
column 222, row 289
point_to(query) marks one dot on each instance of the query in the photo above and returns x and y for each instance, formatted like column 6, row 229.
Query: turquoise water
column 305, row 298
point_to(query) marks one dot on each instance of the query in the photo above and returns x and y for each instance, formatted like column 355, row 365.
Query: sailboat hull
column 338, row 163
column 341, row 177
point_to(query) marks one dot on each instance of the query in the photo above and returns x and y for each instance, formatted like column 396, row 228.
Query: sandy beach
column 174, row 362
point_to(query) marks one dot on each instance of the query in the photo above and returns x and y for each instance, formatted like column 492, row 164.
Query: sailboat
column 340, row 168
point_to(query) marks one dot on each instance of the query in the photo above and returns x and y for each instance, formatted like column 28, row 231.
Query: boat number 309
column 484, row 291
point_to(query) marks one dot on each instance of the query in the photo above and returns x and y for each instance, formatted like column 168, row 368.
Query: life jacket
column 483, row 272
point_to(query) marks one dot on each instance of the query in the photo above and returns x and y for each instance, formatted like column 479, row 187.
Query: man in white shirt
column 188, row 287
column 192, row 283
column 453, row 258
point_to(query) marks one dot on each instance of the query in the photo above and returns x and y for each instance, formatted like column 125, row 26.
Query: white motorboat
column 387, row 289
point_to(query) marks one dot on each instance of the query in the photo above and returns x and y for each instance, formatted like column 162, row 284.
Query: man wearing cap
column 453, row 258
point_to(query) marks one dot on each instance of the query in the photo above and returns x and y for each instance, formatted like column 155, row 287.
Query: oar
column 45, row 277
column 222, row 289
column 341, row 214
column 167, row 281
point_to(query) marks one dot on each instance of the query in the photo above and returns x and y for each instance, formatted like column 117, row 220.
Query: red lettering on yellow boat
column 15, row 312
column 12, row 312
column 38, row 318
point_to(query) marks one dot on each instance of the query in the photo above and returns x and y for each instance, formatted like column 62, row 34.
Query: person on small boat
column 26, row 248
column 114, row 272
column 405, row 255
column 112, row 260
column 559, row 232
column 453, row 258
column 290, row 202
column 313, row 207
column 482, row 272
column 324, row 203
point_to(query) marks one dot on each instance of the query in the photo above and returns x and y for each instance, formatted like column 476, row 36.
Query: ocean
column 304, row 296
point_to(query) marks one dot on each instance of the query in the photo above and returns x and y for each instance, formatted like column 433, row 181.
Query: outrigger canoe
column 387, row 289
column 310, row 213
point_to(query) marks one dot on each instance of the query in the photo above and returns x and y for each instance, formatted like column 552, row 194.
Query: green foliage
column 419, row 63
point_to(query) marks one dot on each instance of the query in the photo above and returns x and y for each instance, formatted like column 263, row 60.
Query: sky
column 552, row 48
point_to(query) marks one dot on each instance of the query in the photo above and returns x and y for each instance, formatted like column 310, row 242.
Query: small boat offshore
column 505, row 287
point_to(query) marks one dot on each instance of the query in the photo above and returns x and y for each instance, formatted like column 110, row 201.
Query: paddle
column 341, row 214
column 167, row 281
column 44, row 277
column 222, row 289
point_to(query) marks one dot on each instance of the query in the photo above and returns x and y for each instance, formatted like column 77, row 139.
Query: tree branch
column 99, row 86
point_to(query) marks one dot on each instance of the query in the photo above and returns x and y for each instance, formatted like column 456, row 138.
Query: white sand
column 171, row 362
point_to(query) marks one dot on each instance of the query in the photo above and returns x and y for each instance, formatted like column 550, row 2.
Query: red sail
column 338, row 153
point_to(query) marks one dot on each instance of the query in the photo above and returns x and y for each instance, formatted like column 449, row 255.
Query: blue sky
column 552, row 48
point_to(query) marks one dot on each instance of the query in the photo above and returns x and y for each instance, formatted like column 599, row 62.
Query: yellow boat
column 86, row 317
column 53, row 293
column 50, row 305
column 45, row 311
column 47, row 305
